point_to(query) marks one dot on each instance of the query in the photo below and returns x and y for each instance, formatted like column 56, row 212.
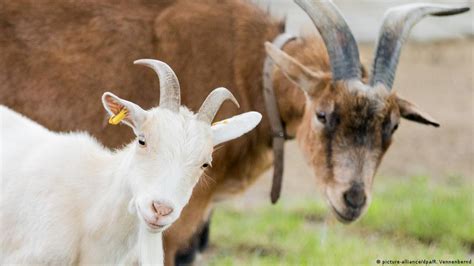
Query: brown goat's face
column 346, row 128
column 345, row 132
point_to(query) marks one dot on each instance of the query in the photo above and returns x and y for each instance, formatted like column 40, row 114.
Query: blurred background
column 423, row 194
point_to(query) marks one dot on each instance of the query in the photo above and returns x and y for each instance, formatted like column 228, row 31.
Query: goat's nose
column 161, row 209
column 355, row 197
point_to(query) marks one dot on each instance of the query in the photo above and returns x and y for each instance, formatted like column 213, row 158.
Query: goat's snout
column 355, row 197
column 160, row 209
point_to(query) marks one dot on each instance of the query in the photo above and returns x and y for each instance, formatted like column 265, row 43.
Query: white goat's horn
column 170, row 96
column 395, row 29
column 213, row 102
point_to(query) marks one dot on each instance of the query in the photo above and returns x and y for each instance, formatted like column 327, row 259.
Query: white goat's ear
column 134, row 114
column 234, row 127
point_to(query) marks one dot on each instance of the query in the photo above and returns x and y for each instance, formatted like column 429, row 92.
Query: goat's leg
column 198, row 243
column 204, row 235
column 185, row 257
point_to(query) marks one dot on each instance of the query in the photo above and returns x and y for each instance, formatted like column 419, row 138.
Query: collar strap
column 278, row 131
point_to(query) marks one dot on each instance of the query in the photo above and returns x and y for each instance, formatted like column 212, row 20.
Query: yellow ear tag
column 220, row 122
column 114, row 120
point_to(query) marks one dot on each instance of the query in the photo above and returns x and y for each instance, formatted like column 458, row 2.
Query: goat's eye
column 321, row 116
column 141, row 141
column 205, row 165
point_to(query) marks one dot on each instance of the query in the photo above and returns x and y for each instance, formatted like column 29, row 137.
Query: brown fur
column 58, row 57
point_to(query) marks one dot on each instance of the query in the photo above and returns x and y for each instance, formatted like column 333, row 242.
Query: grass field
column 409, row 219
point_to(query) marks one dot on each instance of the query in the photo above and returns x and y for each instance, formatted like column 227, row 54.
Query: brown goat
column 58, row 55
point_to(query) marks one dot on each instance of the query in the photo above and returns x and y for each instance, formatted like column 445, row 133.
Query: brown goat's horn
column 340, row 44
column 213, row 102
column 170, row 96
column 396, row 26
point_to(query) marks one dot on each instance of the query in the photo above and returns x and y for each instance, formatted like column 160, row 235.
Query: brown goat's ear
column 296, row 72
column 411, row 112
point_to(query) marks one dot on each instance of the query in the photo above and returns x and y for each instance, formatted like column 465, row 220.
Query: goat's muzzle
column 354, row 201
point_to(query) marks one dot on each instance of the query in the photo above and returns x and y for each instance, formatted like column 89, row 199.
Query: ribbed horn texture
column 170, row 96
column 396, row 26
column 340, row 44
column 213, row 102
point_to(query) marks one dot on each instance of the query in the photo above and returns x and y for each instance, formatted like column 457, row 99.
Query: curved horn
column 340, row 44
column 396, row 26
column 170, row 97
column 213, row 102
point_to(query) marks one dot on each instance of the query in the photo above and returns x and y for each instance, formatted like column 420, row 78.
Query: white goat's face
column 171, row 150
column 170, row 154
column 173, row 146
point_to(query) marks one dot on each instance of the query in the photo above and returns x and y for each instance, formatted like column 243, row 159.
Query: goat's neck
column 110, row 216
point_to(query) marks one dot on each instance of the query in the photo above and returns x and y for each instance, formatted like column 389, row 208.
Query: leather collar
column 278, row 130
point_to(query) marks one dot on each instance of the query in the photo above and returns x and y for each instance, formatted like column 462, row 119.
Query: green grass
column 443, row 214
column 409, row 219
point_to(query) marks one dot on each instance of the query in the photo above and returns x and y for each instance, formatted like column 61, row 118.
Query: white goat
column 66, row 199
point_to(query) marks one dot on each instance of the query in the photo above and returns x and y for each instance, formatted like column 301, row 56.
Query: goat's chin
column 346, row 215
column 156, row 229
column 342, row 213
column 150, row 246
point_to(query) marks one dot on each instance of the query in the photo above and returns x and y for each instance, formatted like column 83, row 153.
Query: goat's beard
column 150, row 246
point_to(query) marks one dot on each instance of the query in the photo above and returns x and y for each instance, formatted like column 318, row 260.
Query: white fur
column 65, row 199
